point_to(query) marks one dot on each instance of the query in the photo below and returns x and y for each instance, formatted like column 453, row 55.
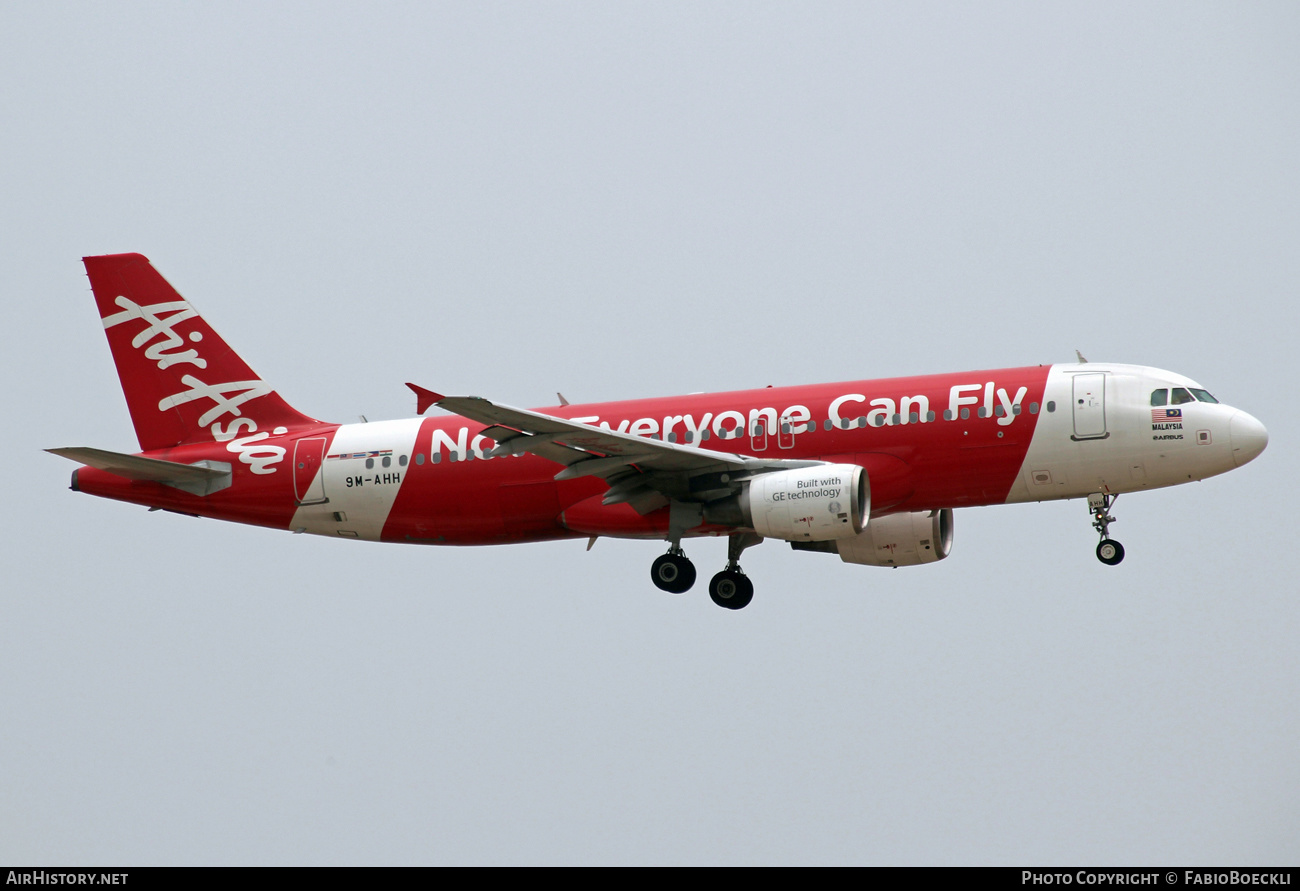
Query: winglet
column 424, row 398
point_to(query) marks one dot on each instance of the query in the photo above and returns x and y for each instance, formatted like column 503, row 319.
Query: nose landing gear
column 1109, row 551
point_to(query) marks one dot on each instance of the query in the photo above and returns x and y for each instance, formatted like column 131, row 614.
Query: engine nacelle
column 901, row 540
column 822, row 503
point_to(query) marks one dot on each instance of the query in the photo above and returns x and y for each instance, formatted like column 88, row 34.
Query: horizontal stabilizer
column 202, row 478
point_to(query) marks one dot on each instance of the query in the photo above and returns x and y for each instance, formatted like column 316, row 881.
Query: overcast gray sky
column 623, row 200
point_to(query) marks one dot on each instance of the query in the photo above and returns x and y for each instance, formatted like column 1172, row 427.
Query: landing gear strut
column 673, row 572
column 731, row 588
column 1109, row 551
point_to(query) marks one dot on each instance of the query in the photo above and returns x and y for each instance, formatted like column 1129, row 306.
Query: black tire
column 1110, row 552
column 731, row 590
column 673, row 573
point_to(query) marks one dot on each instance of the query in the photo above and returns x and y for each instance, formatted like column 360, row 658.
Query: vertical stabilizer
column 182, row 382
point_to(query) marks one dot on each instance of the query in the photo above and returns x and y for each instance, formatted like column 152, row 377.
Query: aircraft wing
column 645, row 473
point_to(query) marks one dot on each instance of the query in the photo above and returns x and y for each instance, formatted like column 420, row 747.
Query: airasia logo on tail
column 163, row 345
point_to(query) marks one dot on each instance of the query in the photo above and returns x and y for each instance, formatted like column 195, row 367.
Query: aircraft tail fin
column 182, row 382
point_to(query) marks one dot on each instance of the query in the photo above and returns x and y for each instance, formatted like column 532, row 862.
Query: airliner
column 868, row 470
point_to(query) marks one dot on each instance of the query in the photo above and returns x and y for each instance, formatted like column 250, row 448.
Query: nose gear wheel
column 1109, row 551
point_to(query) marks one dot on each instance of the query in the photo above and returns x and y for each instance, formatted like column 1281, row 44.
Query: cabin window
column 1051, row 405
column 370, row 464
column 1033, row 408
column 387, row 461
column 419, row 457
column 1181, row 396
column 402, row 460
column 1159, row 397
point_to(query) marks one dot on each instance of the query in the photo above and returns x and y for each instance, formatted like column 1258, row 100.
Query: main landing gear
column 731, row 588
column 1109, row 551
column 673, row 572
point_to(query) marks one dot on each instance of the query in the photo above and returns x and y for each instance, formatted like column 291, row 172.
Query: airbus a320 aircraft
column 868, row 470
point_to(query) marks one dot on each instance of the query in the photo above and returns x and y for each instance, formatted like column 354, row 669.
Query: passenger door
column 308, row 481
column 1090, row 406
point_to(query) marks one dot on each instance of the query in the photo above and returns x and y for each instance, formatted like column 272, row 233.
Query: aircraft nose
column 1248, row 437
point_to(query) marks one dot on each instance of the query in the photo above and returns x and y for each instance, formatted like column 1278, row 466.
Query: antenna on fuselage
column 1082, row 361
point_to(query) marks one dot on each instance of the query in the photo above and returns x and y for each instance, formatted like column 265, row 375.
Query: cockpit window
column 1202, row 395
column 1181, row 396
column 1159, row 397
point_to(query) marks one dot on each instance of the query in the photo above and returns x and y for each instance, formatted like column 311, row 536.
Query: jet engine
column 901, row 540
column 822, row 503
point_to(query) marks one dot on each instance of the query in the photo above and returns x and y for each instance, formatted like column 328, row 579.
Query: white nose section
column 1248, row 437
